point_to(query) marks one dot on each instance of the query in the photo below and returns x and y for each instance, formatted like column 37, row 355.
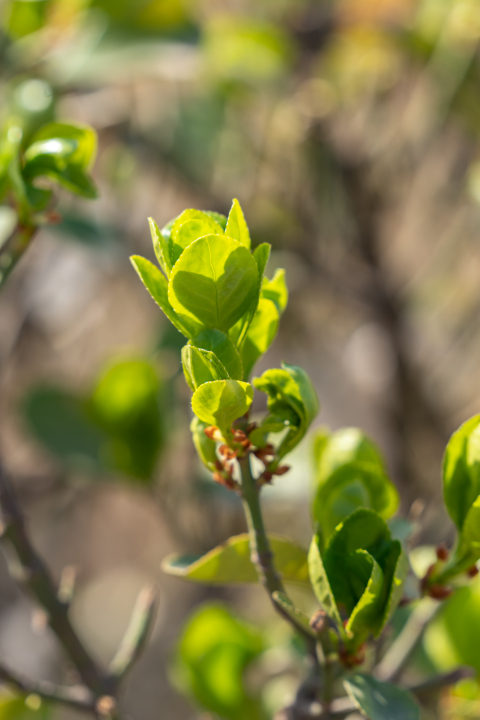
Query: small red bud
column 267, row 476
column 281, row 470
column 472, row 572
column 318, row 620
column 439, row 592
column 211, row 431
column 442, row 552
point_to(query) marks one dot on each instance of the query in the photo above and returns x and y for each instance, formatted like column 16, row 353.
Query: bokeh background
column 350, row 132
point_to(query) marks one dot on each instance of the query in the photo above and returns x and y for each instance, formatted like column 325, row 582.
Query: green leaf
column 260, row 335
column 189, row 226
column 342, row 447
column 321, row 584
column 221, row 402
column 204, row 445
column 379, row 700
column 237, row 227
column 213, row 282
column 461, row 470
column 161, row 247
column 125, row 403
column 361, row 570
column 291, row 400
column 349, row 487
column 157, row 286
column 276, row 290
column 201, row 366
column 64, row 153
column 60, row 422
column 238, row 332
column 453, row 636
column 218, row 217
column 214, row 651
column 466, row 551
column 230, row 562
column 217, row 342
column 287, row 606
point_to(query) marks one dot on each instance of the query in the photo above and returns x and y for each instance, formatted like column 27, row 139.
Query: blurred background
column 350, row 132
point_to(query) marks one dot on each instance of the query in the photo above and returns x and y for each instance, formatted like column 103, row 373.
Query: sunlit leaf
column 157, row 286
column 214, row 650
column 260, row 335
column 237, row 227
column 221, row 402
column 201, row 366
column 461, row 470
column 204, row 445
column 239, row 330
column 213, row 282
column 230, row 562
column 189, row 226
column 276, row 290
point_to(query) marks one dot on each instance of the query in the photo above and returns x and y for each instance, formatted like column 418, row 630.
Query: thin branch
column 14, row 248
column 400, row 651
column 37, row 578
column 261, row 553
column 136, row 636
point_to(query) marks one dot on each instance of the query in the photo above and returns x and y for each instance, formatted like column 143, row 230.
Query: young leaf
column 221, row 402
column 321, row 584
column 238, row 332
column 213, row 282
column 230, row 562
column 260, row 335
column 237, row 227
column 379, row 700
column 157, row 286
column 204, row 445
column 218, row 217
column 342, row 447
column 291, row 399
column 276, row 290
column 461, row 470
column 201, row 366
column 350, row 486
column 365, row 571
column 217, row 342
column 161, row 247
column 189, row 226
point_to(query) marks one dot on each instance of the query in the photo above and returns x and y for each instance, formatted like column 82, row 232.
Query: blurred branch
column 13, row 249
column 400, row 651
column 136, row 636
column 78, row 696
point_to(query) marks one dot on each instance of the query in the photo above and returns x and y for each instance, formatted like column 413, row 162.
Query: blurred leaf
column 64, row 153
column 245, row 49
column 230, row 562
column 201, row 366
column 214, row 650
column 19, row 708
column 157, row 286
column 86, row 231
column 213, row 282
column 260, row 335
column 453, row 637
column 379, row 700
column 126, row 404
column 221, row 402
column 61, row 423
column 217, row 342
column 26, row 17
column 237, row 227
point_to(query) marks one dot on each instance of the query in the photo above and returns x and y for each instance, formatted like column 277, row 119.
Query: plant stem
column 14, row 248
column 261, row 553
